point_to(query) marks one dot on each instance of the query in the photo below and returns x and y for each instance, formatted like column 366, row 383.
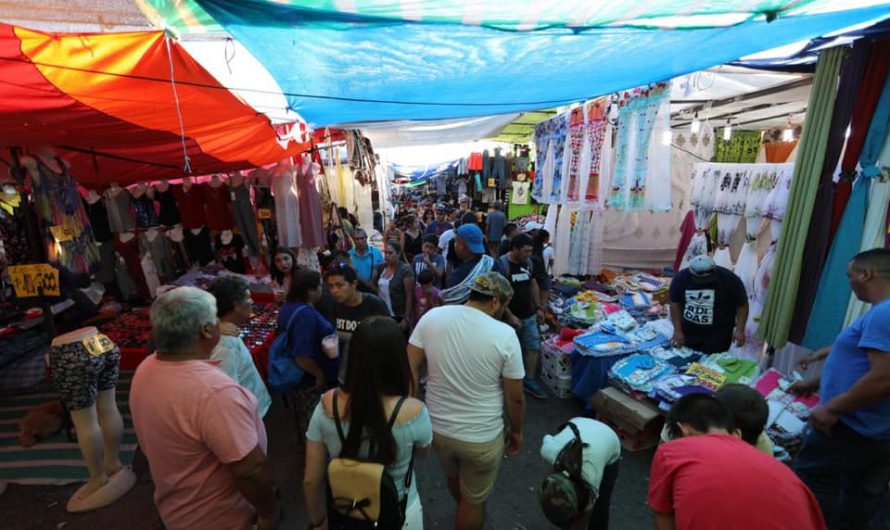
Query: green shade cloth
column 742, row 148
column 775, row 321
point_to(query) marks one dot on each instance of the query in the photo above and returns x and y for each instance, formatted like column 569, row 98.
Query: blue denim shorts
column 529, row 335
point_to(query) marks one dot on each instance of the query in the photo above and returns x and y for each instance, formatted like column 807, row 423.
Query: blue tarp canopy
column 346, row 66
column 419, row 175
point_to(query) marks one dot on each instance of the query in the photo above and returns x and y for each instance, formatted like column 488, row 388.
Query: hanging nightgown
column 144, row 209
column 310, row 207
column 242, row 211
column 550, row 140
column 287, row 207
column 218, row 205
column 169, row 214
column 191, row 205
column 119, row 215
column 575, row 144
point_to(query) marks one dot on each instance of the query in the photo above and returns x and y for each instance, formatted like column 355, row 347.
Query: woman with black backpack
column 362, row 439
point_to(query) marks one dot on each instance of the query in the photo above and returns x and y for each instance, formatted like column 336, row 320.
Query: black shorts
column 80, row 376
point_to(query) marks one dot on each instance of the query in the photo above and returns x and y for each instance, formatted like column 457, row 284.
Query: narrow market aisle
column 513, row 505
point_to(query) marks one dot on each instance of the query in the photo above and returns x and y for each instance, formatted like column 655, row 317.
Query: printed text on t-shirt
column 699, row 307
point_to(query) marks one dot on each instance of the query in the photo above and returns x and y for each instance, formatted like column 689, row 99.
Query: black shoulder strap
column 395, row 411
column 339, row 425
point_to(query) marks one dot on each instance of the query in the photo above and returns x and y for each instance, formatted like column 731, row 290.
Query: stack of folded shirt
column 602, row 343
column 735, row 369
column 670, row 388
column 635, row 303
column 639, row 372
column 679, row 358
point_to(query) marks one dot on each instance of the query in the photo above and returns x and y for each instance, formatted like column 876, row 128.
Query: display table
column 590, row 374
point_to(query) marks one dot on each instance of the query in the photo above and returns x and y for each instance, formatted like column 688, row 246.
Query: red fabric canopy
column 106, row 103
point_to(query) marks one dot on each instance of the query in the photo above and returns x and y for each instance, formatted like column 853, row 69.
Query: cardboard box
column 634, row 442
column 663, row 296
column 631, row 415
column 560, row 385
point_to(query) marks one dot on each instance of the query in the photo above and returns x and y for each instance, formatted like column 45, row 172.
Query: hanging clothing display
column 191, row 205
column 658, row 166
column 197, row 245
column 520, row 193
column 310, row 205
column 778, row 152
column 58, row 204
column 550, row 139
column 287, row 208
column 14, row 229
column 873, row 236
column 144, row 210
column 230, row 252
column 687, row 230
column 742, row 147
column 153, row 244
column 819, row 228
column 637, row 112
column 117, row 203
column 129, row 251
column 245, row 219
column 595, row 131
column 833, row 294
column 562, row 238
column 169, row 212
column 218, row 206
column 575, row 144
column 98, row 216
column 265, row 207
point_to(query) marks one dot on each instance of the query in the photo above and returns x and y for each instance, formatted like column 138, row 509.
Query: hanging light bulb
column 696, row 124
column 788, row 133
column 727, row 131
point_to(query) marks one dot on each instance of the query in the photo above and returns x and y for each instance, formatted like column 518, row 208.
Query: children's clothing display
column 169, row 214
column 218, row 206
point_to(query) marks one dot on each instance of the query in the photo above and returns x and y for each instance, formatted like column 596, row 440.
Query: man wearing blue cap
column 469, row 246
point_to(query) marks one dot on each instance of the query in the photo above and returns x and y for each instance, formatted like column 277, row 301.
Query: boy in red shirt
column 708, row 478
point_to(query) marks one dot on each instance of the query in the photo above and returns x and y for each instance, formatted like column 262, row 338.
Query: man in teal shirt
column 364, row 257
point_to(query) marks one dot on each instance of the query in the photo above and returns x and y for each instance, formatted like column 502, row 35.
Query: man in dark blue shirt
column 439, row 225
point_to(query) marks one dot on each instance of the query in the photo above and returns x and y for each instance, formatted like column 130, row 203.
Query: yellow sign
column 62, row 233
column 264, row 213
column 28, row 280
column 98, row 344
column 710, row 378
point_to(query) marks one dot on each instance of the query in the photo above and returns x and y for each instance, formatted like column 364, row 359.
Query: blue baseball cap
column 472, row 236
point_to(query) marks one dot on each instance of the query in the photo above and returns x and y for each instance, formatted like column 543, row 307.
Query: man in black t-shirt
column 707, row 303
column 525, row 308
column 351, row 306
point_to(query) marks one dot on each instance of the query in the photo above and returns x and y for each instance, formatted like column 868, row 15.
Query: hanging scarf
column 460, row 293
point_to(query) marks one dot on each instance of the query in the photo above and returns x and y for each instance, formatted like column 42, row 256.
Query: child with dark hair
column 426, row 295
column 707, row 465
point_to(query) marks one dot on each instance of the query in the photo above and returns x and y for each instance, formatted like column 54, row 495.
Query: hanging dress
column 245, row 219
column 169, row 213
column 191, row 206
column 129, row 251
column 118, row 207
column 287, row 207
column 218, row 205
column 144, row 210
column 310, row 207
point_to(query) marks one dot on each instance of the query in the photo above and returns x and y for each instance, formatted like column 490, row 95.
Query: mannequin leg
column 112, row 426
column 89, row 438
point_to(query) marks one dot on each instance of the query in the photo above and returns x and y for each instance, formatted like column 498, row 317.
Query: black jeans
column 847, row 472
column 600, row 518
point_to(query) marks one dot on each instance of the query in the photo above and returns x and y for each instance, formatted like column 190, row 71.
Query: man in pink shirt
column 200, row 430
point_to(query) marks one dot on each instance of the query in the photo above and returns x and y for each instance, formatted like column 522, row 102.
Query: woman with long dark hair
column 283, row 264
column 378, row 377
column 307, row 333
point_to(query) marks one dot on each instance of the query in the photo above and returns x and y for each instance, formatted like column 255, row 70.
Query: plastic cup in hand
column 331, row 346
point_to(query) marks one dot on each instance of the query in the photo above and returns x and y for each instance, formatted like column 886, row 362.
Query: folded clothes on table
column 639, row 371
column 735, row 369
column 679, row 358
column 603, row 343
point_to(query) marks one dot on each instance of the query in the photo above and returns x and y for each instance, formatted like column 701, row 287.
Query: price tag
column 709, row 377
column 62, row 233
column 264, row 213
column 492, row 183
column 29, row 279
column 98, row 344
